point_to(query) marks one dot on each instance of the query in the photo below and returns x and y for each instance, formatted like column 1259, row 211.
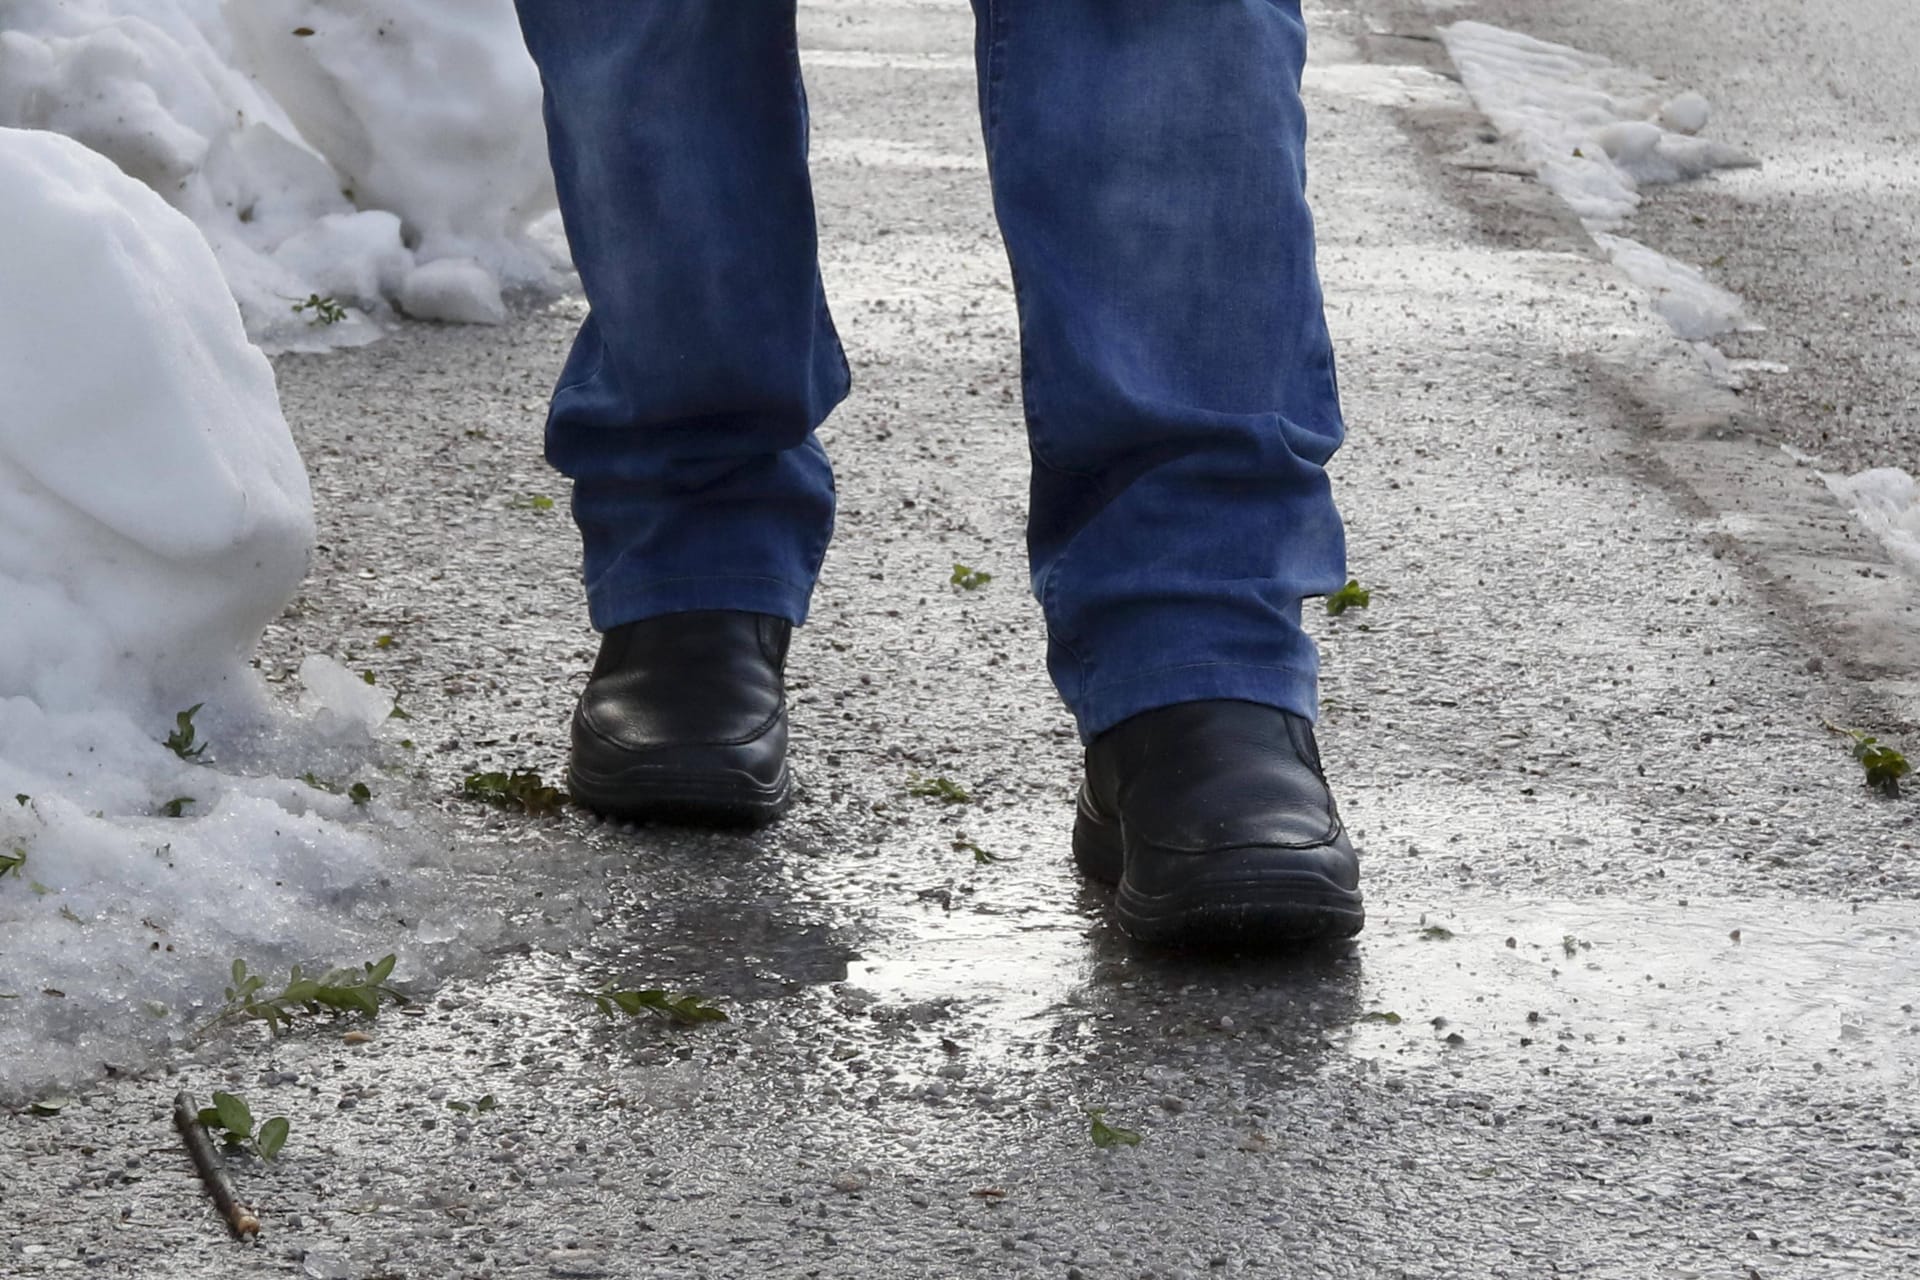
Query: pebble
column 577, row 1264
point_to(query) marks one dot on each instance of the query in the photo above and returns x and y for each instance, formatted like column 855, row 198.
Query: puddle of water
column 1493, row 987
column 1018, row 972
column 1776, row 985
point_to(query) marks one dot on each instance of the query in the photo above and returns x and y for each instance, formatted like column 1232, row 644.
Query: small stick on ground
column 206, row 1161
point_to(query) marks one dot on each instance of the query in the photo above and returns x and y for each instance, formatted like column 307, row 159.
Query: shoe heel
column 1097, row 848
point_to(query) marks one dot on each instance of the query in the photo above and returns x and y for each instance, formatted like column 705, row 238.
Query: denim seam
column 1049, row 595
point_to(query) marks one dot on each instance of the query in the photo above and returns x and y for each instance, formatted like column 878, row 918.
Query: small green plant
column 521, row 789
column 175, row 808
column 1884, row 765
column 981, row 857
column 532, row 502
column 231, row 1120
column 1351, row 596
column 1436, row 933
column 325, row 310
column 682, row 1010
column 184, row 741
column 22, row 799
column 347, row 990
column 360, row 793
column 969, row 579
column 1385, row 1017
column 945, row 790
column 13, row 861
column 480, row 1106
column 1110, row 1135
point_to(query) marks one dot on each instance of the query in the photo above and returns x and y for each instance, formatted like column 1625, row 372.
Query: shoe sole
column 1244, row 908
column 662, row 795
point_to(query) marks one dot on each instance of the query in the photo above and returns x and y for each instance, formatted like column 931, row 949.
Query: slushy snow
column 330, row 148
column 1887, row 501
column 1596, row 133
column 154, row 516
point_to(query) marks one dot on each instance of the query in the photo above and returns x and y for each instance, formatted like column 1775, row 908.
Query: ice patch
column 340, row 702
column 154, row 516
column 457, row 290
column 1596, row 133
column 1695, row 307
column 329, row 164
column 1887, row 501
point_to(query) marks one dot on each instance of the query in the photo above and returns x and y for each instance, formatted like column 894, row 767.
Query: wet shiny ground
column 1581, row 753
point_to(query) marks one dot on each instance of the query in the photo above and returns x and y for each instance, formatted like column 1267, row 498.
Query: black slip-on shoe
column 1214, row 823
column 685, row 720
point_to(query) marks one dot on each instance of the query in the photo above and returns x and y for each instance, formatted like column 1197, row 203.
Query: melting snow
column 329, row 147
column 1596, row 133
column 154, row 516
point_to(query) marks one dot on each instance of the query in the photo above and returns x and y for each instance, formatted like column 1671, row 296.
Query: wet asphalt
column 1636, row 997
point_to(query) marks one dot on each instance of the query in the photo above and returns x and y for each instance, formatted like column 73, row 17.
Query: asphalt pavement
column 1636, row 996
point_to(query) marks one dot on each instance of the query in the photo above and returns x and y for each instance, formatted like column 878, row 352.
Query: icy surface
column 154, row 515
column 1596, row 133
column 390, row 135
column 1887, row 501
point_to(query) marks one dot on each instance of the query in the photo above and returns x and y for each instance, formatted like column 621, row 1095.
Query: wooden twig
column 213, row 1173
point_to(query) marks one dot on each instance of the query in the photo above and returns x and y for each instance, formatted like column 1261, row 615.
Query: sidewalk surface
column 1637, row 993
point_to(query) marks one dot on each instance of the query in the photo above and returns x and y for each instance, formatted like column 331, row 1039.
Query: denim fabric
column 1148, row 168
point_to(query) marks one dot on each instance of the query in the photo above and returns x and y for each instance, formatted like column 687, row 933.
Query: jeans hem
column 1287, row 688
column 620, row 605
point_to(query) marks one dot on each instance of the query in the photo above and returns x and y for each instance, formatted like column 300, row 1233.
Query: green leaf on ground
column 521, row 789
column 175, row 807
column 348, row 990
column 945, row 790
column 969, row 579
column 231, row 1113
column 273, row 1136
column 183, row 741
column 1883, row 765
column 1351, row 596
column 683, row 1010
column 325, row 309
column 981, row 857
column 1110, row 1135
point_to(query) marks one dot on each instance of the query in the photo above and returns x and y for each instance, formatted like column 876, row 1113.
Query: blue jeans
column 1148, row 169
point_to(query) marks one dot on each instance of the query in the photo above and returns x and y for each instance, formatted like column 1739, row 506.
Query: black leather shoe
column 1215, row 822
column 685, row 719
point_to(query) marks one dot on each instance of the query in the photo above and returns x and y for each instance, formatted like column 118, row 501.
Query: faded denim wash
column 1148, row 168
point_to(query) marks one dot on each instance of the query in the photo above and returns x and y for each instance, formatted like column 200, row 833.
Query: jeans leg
column 685, row 414
column 1148, row 161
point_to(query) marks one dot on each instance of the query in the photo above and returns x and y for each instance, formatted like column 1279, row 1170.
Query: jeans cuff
column 1101, row 708
column 614, row 604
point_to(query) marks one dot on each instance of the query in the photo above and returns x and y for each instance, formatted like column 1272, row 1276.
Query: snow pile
column 1887, row 501
column 154, row 515
column 1596, row 133
column 330, row 148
